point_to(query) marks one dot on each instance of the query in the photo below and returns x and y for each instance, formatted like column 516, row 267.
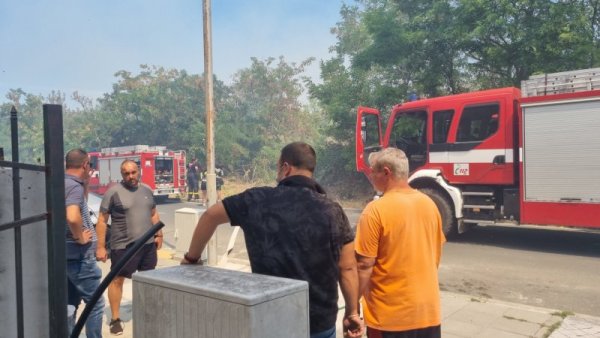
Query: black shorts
column 428, row 332
column 143, row 260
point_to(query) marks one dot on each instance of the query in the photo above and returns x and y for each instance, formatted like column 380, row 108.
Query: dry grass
column 234, row 186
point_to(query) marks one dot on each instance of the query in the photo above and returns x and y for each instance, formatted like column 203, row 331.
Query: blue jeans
column 83, row 278
column 325, row 334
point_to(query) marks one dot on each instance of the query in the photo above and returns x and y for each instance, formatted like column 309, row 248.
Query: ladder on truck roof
column 132, row 149
column 562, row 82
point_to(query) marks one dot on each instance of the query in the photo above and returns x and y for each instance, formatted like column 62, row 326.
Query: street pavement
column 462, row 315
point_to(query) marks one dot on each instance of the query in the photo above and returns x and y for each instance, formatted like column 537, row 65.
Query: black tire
column 446, row 210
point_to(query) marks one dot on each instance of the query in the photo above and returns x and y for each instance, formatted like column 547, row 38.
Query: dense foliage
column 386, row 50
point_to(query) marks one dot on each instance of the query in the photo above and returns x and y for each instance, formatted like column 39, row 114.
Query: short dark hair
column 75, row 158
column 300, row 155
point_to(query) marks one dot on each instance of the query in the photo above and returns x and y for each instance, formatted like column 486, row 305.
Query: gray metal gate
column 21, row 307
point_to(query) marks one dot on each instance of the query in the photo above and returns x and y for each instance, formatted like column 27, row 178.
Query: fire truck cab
column 497, row 156
column 161, row 169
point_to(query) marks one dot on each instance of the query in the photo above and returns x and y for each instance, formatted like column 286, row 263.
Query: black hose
column 114, row 270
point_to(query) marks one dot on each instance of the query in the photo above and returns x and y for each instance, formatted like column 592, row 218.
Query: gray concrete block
column 206, row 302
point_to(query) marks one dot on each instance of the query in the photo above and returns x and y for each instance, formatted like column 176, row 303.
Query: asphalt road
column 552, row 268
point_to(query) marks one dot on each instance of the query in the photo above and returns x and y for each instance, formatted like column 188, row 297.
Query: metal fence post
column 55, row 192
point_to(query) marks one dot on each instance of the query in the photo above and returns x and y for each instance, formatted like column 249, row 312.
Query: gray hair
column 393, row 158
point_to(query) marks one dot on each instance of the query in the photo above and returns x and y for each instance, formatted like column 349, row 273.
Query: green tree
column 30, row 124
column 263, row 113
column 158, row 106
column 508, row 41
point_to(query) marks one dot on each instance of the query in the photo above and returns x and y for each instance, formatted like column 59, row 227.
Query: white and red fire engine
column 529, row 156
column 161, row 169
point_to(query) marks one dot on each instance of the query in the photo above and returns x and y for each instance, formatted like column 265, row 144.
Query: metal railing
column 54, row 216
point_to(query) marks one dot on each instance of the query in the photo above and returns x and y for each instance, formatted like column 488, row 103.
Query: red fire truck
column 161, row 169
column 529, row 156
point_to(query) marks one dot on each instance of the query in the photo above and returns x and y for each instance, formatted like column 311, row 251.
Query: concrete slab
column 461, row 328
column 497, row 333
column 516, row 326
column 540, row 317
column 578, row 326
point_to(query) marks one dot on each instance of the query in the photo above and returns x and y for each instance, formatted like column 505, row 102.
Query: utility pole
column 211, row 179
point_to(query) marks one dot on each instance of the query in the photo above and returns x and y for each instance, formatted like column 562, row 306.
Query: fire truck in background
column 161, row 169
column 501, row 156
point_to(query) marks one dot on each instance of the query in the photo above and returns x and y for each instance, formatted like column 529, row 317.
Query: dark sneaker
column 116, row 327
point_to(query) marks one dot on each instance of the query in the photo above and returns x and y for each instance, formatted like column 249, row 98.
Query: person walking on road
column 83, row 273
column 281, row 225
column 132, row 209
column 399, row 243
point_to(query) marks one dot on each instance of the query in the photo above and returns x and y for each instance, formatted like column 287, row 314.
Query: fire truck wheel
column 449, row 224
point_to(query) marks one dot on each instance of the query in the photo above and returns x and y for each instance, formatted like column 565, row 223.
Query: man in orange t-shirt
column 398, row 243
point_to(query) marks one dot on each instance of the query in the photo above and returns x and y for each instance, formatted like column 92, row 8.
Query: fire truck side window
column 478, row 123
column 370, row 130
column 441, row 125
column 94, row 162
column 163, row 170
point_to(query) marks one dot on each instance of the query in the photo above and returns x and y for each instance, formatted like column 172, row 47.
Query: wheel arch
column 433, row 179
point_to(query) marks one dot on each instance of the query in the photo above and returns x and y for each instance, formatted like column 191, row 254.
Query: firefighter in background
column 219, row 173
column 192, row 180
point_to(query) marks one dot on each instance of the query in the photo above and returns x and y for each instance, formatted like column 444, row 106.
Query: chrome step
column 477, row 193
column 487, row 207
column 479, row 221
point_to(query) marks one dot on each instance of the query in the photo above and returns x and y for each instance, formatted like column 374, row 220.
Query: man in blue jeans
column 83, row 274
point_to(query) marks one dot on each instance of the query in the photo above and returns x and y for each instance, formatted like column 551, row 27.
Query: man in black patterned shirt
column 294, row 231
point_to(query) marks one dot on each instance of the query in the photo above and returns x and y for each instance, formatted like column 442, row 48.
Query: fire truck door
column 368, row 136
column 482, row 151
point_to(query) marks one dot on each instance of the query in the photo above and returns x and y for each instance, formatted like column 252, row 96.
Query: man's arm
column 75, row 223
column 349, row 285
column 349, row 278
column 101, row 226
column 158, row 237
column 207, row 224
column 365, row 268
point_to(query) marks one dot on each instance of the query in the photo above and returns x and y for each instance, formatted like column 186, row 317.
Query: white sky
column 79, row 45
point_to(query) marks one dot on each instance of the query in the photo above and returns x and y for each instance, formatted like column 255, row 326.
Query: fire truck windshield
column 163, row 170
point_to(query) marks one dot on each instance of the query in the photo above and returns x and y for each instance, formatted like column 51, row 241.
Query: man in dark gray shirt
column 130, row 204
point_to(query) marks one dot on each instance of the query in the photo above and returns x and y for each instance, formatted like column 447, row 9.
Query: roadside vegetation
column 385, row 52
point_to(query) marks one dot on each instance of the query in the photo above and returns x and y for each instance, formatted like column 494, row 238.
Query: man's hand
column 86, row 237
column 158, row 240
column 101, row 254
column 353, row 326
